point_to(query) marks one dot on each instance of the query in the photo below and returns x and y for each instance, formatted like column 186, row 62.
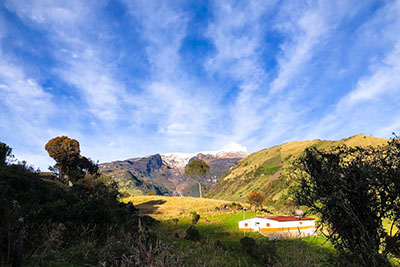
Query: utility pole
column 244, row 215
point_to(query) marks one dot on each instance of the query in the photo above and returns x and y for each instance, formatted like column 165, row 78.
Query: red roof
column 287, row 218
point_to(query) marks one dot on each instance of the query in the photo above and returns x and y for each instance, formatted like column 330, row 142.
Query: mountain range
column 233, row 174
column 163, row 174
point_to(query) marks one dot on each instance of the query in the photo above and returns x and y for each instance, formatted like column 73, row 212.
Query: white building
column 280, row 226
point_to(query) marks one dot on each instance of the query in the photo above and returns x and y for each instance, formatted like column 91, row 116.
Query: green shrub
column 248, row 244
column 52, row 218
column 192, row 234
column 195, row 217
column 264, row 252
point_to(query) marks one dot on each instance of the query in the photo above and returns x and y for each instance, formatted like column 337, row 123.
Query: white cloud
column 179, row 105
column 385, row 79
column 25, row 109
column 262, row 110
column 237, row 32
column 234, row 147
column 81, row 59
column 102, row 93
column 373, row 104
column 170, row 108
column 309, row 30
column 28, row 104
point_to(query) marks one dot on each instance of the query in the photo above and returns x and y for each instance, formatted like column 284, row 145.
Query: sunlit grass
column 222, row 226
column 164, row 208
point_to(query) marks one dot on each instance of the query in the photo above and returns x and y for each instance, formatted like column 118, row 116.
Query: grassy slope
column 264, row 170
column 223, row 226
column 163, row 207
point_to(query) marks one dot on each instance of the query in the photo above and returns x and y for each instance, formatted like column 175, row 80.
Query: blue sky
column 129, row 78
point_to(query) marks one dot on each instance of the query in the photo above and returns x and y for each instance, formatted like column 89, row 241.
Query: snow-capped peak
column 177, row 159
column 182, row 159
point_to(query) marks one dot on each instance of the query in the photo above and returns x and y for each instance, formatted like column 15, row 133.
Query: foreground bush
column 45, row 222
column 353, row 190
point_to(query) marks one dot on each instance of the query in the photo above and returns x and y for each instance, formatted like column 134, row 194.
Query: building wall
column 287, row 229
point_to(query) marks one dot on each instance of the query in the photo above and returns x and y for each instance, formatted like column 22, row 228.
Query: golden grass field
column 164, row 208
column 222, row 225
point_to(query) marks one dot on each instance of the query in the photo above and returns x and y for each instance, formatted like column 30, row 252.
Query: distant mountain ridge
column 164, row 174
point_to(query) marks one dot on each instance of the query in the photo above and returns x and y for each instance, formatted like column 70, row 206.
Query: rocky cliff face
column 164, row 173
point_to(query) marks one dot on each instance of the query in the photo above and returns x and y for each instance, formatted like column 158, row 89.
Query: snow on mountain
column 177, row 159
column 231, row 150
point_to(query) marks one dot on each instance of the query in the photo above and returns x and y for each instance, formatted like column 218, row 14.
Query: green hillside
column 266, row 170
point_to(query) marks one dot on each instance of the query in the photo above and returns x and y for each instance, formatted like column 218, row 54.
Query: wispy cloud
column 151, row 76
column 237, row 33
column 25, row 108
column 181, row 107
column 372, row 104
column 307, row 31
column 74, row 29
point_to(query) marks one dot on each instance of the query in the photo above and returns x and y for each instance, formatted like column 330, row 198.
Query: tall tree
column 353, row 190
column 197, row 169
column 70, row 164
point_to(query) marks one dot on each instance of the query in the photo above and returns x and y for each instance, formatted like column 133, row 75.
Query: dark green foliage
column 197, row 168
column 192, row 234
column 195, row 217
column 147, row 220
column 43, row 220
column 5, row 153
column 248, row 244
column 264, row 252
column 219, row 244
column 354, row 190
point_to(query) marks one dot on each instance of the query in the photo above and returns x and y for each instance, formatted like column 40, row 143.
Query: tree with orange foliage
column 70, row 164
column 255, row 199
